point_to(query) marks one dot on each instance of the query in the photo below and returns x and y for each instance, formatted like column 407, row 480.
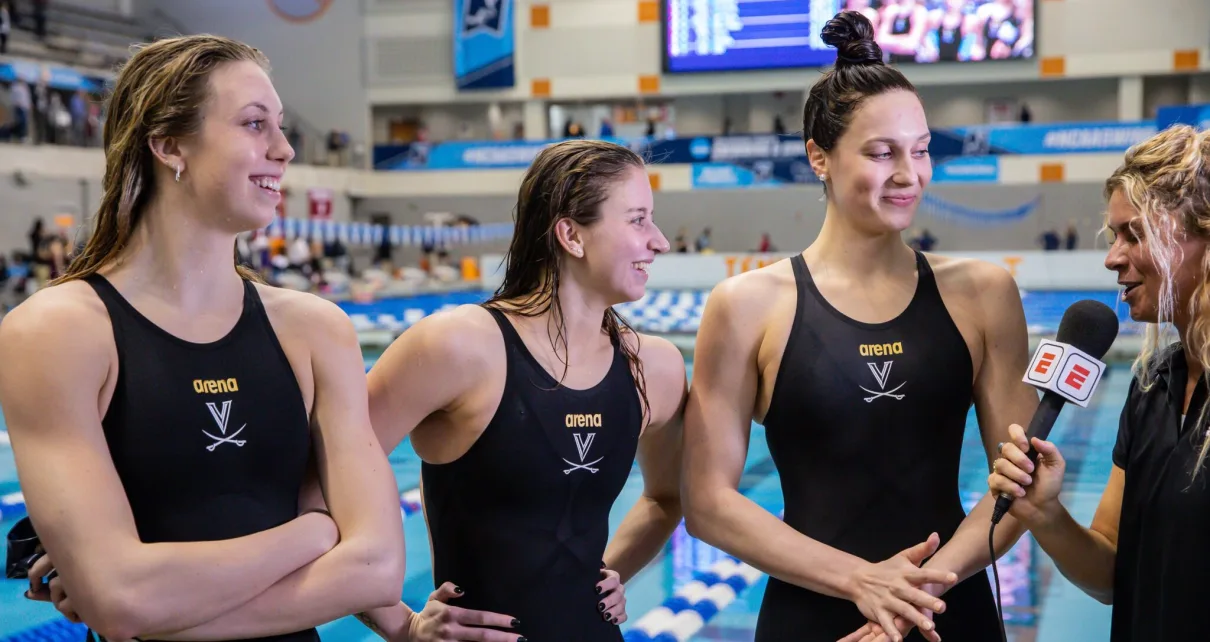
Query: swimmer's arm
column 119, row 586
column 1001, row 399
column 366, row 568
column 431, row 367
column 657, row 512
column 718, row 417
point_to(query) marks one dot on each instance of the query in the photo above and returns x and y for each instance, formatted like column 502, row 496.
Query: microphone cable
column 991, row 548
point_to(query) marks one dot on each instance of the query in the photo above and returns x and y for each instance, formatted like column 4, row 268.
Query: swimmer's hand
column 613, row 597
column 894, row 588
column 51, row 591
column 440, row 622
column 873, row 632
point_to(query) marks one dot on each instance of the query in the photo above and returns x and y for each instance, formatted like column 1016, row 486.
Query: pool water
column 1040, row 606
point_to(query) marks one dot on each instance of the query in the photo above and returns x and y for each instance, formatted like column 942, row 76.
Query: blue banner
column 484, row 44
column 63, row 78
column 752, row 174
column 967, row 169
column 947, row 144
column 1067, row 138
column 1196, row 115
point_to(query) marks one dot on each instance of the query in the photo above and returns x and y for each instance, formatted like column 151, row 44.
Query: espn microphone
column 1068, row 369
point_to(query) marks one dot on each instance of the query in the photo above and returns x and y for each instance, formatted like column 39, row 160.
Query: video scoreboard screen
column 732, row 35
column 728, row 35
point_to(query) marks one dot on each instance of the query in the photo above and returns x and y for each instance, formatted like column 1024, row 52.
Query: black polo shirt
column 1163, row 558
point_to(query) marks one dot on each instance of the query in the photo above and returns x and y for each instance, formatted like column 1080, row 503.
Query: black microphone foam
column 1090, row 326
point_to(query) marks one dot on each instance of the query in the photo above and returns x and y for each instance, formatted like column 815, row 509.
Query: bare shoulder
column 977, row 282
column 983, row 299
column 58, row 349
column 68, row 316
column 306, row 314
column 750, row 297
column 464, row 336
column 662, row 360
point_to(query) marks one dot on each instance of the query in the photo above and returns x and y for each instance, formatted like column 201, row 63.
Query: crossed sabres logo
column 221, row 417
column 583, row 443
column 881, row 375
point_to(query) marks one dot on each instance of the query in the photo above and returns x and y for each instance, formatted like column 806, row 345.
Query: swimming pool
column 1040, row 606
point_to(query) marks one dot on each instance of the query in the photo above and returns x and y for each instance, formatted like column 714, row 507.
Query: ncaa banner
column 484, row 44
column 1196, row 115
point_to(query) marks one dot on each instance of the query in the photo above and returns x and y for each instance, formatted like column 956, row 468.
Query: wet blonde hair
column 1166, row 179
column 160, row 92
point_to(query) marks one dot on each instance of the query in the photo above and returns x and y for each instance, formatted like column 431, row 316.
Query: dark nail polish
column 458, row 590
column 614, row 621
column 522, row 640
column 605, row 616
column 515, row 623
column 598, row 590
column 602, row 564
column 600, row 606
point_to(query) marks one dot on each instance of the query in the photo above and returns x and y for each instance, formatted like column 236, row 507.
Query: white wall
column 1159, row 91
column 1086, row 100
column 448, row 122
column 317, row 66
column 121, row 7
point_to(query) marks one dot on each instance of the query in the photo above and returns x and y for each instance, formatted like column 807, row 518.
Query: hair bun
column 853, row 36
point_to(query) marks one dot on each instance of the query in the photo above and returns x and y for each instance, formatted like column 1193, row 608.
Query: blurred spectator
column 6, row 25
column 779, row 126
column 59, row 119
column 1049, row 240
column 79, row 118
column 923, row 241
column 41, row 109
column 299, row 255
column 682, row 241
column 766, row 244
column 21, row 102
column 606, row 128
column 338, row 142
column 1026, row 114
column 1071, row 237
column 703, row 240
column 40, row 18
column 37, row 234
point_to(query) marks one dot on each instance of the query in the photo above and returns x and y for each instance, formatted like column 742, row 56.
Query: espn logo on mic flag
column 1065, row 370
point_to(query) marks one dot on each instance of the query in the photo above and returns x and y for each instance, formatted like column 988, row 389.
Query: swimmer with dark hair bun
column 861, row 357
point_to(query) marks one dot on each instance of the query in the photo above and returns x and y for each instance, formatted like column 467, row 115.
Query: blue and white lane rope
column 695, row 603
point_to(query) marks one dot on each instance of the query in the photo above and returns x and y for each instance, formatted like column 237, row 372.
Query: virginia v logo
column 483, row 16
column 881, row 375
column 221, row 416
column 583, row 443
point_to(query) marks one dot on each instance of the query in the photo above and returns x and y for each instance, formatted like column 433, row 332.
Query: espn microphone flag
column 1065, row 370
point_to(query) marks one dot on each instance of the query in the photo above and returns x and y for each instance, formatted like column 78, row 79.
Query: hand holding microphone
column 1034, row 485
column 1068, row 370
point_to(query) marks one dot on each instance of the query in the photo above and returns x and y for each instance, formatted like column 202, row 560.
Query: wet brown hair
column 571, row 180
column 160, row 92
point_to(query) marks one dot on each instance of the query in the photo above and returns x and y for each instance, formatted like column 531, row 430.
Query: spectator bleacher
column 77, row 36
